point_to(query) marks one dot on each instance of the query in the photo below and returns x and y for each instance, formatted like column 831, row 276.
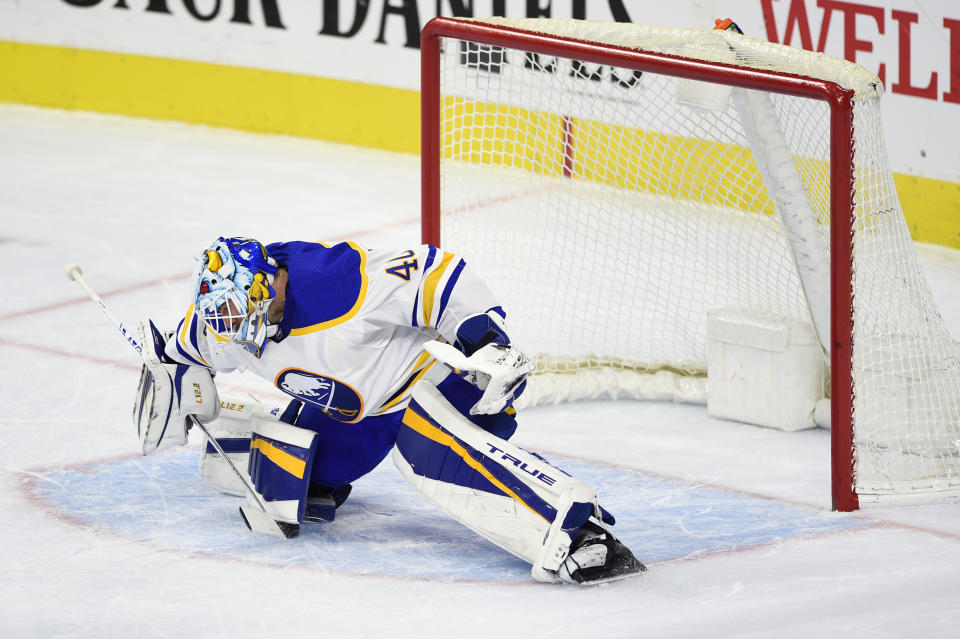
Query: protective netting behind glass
column 611, row 210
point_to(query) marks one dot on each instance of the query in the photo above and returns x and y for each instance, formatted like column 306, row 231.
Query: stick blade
column 260, row 522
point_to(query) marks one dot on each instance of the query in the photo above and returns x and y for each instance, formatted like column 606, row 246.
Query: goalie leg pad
column 280, row 463
column 511, row 497
column 462, row 395
column 232, row 432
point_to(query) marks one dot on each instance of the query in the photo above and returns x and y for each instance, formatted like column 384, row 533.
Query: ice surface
column 96, row 541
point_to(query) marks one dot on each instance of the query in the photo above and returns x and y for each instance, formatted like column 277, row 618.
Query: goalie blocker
column 511, row 497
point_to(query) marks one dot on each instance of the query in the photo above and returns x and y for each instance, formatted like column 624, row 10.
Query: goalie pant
column 308, row 452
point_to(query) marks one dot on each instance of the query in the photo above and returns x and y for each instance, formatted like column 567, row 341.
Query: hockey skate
column 323, row 501
column 596, row 557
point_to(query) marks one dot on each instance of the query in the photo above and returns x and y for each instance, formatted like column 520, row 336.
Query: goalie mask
column 232, row 292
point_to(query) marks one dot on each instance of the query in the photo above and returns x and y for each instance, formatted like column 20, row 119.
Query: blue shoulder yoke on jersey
column 326, row 285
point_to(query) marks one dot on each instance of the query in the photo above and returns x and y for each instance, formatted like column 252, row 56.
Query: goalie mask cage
column 615, row 182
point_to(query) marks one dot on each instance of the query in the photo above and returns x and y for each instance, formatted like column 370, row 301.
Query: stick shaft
column 77, row 276
column 79, row 279
column 236, row 471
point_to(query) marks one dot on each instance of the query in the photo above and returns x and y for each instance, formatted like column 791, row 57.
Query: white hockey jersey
column 354, row 324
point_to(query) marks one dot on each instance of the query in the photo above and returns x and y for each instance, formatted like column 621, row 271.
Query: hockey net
column 616, row 182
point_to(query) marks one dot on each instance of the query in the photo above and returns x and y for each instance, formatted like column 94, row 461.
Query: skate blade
column 618, row 577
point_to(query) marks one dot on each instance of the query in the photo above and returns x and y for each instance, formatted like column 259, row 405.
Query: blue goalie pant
column 320, row 454
column 346, row 452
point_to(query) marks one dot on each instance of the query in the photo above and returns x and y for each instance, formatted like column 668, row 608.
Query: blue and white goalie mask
column 233, row 290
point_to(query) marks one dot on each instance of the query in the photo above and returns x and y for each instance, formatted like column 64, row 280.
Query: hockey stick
column 74, row 273
column 256, row 520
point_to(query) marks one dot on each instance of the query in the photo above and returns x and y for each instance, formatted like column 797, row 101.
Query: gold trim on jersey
column 408, row 385
column 357, row 305
column 430, row 287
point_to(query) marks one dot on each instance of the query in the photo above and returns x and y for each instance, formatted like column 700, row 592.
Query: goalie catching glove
column 169, row 395
column 484, row 356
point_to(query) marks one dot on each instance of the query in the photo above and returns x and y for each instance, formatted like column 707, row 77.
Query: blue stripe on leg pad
column 434, row 452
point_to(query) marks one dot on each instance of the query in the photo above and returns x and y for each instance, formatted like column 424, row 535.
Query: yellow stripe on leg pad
column 428, row 430
column 281, row 458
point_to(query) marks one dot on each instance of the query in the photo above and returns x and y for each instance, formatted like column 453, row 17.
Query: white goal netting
column 612, row 209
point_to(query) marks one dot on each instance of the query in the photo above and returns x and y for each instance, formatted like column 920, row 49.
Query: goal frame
column 840, row 102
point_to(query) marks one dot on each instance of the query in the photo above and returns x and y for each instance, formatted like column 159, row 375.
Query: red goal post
column 541, row 38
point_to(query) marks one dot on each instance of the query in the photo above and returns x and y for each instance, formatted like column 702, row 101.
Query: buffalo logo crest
column 335, row 398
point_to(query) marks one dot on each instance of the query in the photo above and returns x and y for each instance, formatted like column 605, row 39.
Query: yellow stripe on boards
column 932, row 209
column 430, row 287
column 281, row 458
column 354, row 113
column 503, row 136
column 428, row 430
column 672, row 166
column 218, row 95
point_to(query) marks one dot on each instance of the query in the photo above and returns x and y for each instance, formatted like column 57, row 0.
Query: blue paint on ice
column 386, row 527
